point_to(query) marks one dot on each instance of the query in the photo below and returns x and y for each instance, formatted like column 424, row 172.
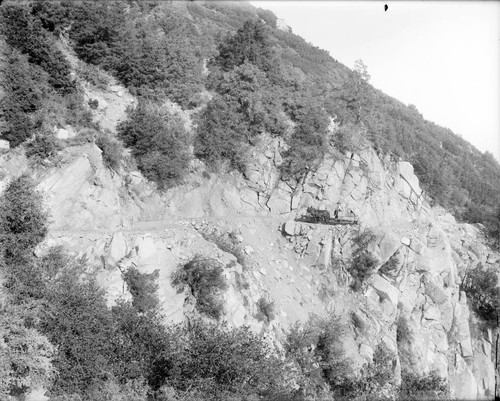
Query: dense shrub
column 250, row 44
column 138, row 339
column 423, row 387
column 25, row 33
column 143, row 288
column 23, row 219
column 403, row 333
column 24, row 89
column 43, row 147
column 265, row 310
column 308, row 142
column 222, row 364
column 203, row 278
column 348, row 138
column 25, row 355
column 315, row 348
column 92, row 75
column 222, row 133
column 255, row 98
column 363, row 262
column 375, row 381
column 481, row 287
column 159, row 143
column 267, row 16
column 79, row 323
column 227, row 242
column 112, row 152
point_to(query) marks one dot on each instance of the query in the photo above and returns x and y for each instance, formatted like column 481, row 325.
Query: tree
column 159, row 143
column 308, row 142
column 250, row 44
column 221, row 133
column 23, row 219
column 355, row 93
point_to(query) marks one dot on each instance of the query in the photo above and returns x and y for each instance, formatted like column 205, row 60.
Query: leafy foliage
column 143, row 288
column 362, row 262
column 423, row 387
column 43, row 147
column 150, row 52
column 159, row 143
column 316, row 349
column 203, row 278
column 481, row 287
column 250, row 44
column 80, row 324
column 111, row 151
column 227, row 242
column 221, row 363
column 23, row 97
column 221, row 135
column 23, row 220
column 265, row 310
column 25, row 33
column 25, row 355
column 375, row 381
column 308, row 143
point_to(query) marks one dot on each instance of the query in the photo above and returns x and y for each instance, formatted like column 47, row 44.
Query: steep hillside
column 182, row 151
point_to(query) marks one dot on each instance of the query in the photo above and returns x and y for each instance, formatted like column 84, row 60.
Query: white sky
column 443, row 57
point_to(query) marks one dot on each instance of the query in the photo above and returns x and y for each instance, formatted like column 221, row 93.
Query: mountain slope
column 209, row 136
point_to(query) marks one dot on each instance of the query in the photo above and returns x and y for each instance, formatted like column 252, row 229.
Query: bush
column 80, row 325
column 422, row 387
column 159, row 144
column 221, row 134
column 362, row 263
column 23, row 219
column 25, row 355
column 227, row 242
column 144, row 288
column 139, row 339
column 265, row 310
column 43, row 147
column 316, row 349
column 251, row 43
column 221, row 364
column 24, row 90
column 403, row 333
column 308, row 142
column 203, row 278
column 25, row 33
column 112, row 152
column 376, row 379
column 92, row 75
column 348, row 138
column 480, row 285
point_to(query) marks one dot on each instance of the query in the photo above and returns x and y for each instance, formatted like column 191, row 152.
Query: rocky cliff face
column 119, row 220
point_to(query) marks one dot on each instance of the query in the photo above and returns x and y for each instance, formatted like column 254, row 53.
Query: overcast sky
column 443, row 57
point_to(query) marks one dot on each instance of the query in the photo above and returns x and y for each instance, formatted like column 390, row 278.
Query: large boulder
column 4, row 145
column 384, row 289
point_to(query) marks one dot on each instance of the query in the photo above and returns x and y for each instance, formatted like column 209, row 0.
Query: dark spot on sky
column 386, row 7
